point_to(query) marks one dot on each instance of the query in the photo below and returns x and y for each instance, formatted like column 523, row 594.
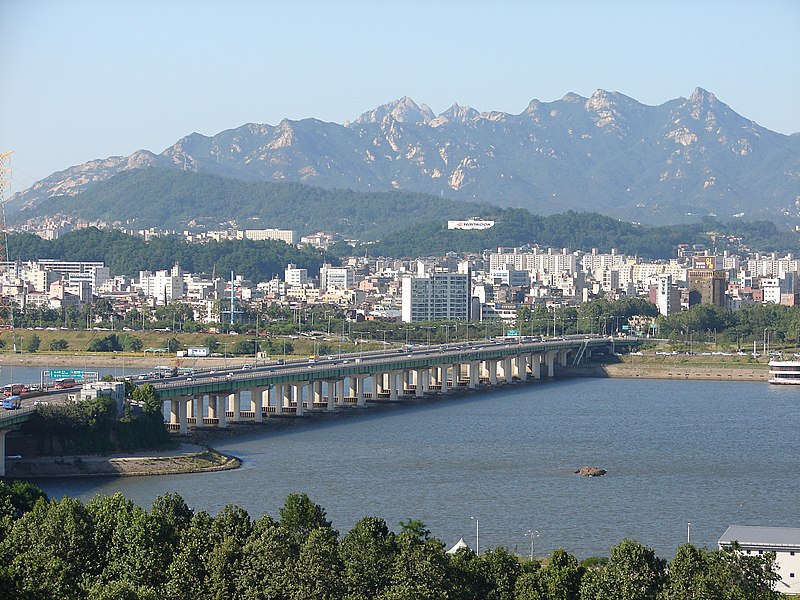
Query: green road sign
column 63, row 373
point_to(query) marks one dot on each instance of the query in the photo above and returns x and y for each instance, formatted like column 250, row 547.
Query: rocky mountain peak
column 572, row 98
column 701, row 96
column 460, row 114
column 404, row 110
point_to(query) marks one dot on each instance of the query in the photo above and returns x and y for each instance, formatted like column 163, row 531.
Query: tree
column 469, row 576
column 420, row 569
column 50, row 550
column 502, row 569
column 633, row 572
column 33, row 343
column 319, row 568
column 211, row 342
column 267, row 571
column 59, row 345
column 367, row 553
column 172, row 344
column 726, row 574
column 187, row 574
column 560, row 579
column 299, row 516
column 147, row 396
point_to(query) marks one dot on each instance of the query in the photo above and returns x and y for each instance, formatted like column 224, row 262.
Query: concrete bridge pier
column 235, row 400
column 474, row 369
column 278, row 398
column 393, row 386
column 492, row 364
column 360, row 400
column 550, row 359
column 257, row 402
column 330, row 385
column 508, row 370
column 536, row 366
column 522, row 366
column 420, row 377
column 339, row 387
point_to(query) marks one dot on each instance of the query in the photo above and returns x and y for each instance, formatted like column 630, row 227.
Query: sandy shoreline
column 187, row 458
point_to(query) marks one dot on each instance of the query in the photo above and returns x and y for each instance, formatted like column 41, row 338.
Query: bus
column 12, row 402
column 65, row 383
column 13, row 389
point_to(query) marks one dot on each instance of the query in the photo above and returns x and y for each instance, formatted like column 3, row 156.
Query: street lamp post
column 688, row 533
column 533, row 535
column 477, row 536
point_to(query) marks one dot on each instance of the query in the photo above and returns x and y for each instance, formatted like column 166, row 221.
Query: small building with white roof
column 783, row 541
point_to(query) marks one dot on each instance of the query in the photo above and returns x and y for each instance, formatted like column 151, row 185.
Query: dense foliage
column 94, row 426
column 111, row 548
column 144, row 198
column 582, row 231
column 127, row 254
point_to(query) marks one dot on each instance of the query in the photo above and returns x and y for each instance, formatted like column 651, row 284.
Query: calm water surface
column 709, row 453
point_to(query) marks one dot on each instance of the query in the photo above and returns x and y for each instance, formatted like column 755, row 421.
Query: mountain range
column 676, row 162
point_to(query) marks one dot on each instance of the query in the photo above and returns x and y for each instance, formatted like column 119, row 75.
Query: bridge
column 213, row 399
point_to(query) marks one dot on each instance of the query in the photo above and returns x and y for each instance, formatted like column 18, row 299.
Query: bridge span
column 212, row 399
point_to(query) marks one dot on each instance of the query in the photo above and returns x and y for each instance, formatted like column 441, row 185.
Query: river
column 709, row 453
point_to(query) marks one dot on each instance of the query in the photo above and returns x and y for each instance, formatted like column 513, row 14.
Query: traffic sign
column 63, row 373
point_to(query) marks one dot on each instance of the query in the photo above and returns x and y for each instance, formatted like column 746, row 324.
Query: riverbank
column 696, row 370
column 188, row 458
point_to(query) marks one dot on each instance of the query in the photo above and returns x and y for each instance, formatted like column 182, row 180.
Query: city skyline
column 87, row 80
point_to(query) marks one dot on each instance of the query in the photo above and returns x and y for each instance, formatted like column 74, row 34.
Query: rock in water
column 591, row 471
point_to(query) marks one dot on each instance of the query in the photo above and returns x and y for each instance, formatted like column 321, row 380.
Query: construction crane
column 6, row 303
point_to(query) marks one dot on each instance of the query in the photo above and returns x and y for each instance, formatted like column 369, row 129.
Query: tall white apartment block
column 435, row 297
column 668, row 298
column 295, row 277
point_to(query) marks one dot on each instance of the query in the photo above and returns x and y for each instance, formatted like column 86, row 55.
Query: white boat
column 786, row 372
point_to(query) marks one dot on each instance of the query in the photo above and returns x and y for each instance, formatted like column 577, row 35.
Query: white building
column 284, row 235
column 295, row 277
column 668, row 299
column 335, row 278
column 783, row 541
column 162, row 286
column 436, row 297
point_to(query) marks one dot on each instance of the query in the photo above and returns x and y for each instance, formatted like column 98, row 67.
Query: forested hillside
column 584, row 231
column 127, row 254
column 180, row 200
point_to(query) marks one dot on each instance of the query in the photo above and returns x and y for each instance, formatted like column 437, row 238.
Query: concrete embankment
column 698, row 371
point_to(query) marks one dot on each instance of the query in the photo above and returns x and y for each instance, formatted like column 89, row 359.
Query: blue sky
column 86, row 79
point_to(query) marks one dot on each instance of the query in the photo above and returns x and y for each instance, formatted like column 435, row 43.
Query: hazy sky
column 90, row 79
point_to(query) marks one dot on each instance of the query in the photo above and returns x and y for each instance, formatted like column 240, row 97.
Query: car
column 229, row 375
column 190, row 378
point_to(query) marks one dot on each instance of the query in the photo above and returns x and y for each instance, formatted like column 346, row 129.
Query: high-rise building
column 667, row 296
column 707, row 286
column 436, row 297
column 295, row 277
column 335, row 278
